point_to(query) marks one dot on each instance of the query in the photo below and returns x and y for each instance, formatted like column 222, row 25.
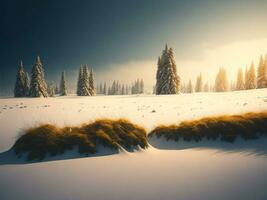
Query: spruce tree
column 159, row 77
column 251, row 77
column 123, row 90
column 101, row 88
column 261, row 74
column 142, row 90
column 63, row 87
column 51, row 89
column 199, row 84
column 174, row 76
column 109, row 90
column 92, row 91
column 239, row 81
column 105, row 89
column 247, row 79
column 221, row 84
column 189, row 88
column 167, row 80
column 20, row 89
column 80, row 80
column 38, row 87
column 126, row 89
column 85, row 82
column 137, row 86
column 27, row 84
column 56, row 89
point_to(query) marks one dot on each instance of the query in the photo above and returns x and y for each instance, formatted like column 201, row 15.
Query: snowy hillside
column 148, row 111
column 150, row 174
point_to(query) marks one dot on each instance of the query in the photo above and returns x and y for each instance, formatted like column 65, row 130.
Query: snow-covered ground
column 192, row 173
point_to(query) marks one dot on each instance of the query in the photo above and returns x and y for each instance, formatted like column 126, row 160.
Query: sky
column 121, row 39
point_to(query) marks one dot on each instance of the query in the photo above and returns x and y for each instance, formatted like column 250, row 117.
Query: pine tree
column 167, row 78
column 159, row 77
column 80, row 82
column 127, row 89
column 113, row 88
column 261, row 75
column 247, row 79
column 142, row 90
column 123, row 90
column 199, row 84
column 137, row 87
column 189, row 88
column 251, row 77
column 221, row 84
column 109, row 90
column 51, row 89
column 38, row 87
column 56, row 89
column 175, row 78
column 63, row 87
column 183, row 88
column 91, row 83
column 105, row 89
column 239, row 81
column 119, row 89
column 27, row 84
column 101, row 88
column 84, row 82
column 20, row 89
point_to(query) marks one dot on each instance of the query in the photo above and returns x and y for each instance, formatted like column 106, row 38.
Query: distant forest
column 167, row 81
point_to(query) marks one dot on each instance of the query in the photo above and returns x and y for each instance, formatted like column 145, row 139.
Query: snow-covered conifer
column 38, row 87
column 221, row 84
column 92, row 91
column 20, row 85
column 251, row 77
column 261, row 73
column 85, row 82
column 159, row 77
column 63, row 86
column 123, row 90
column 247, row 79
column 239, row 81
column 79, row 83
column 51, row 89
column 189, row 88
column 167, row 80
column 27, row 84
column 199, row 84
column 142, row 90
column 105, row 89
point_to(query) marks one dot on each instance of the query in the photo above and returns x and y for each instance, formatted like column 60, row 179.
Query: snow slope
column 192, row 173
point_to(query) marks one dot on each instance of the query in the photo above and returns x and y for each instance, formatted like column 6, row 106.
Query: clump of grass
column 49, row 139
column 227, row 128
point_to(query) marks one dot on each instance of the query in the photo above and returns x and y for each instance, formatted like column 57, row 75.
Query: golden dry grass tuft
column 226, row 127
column 49, row 139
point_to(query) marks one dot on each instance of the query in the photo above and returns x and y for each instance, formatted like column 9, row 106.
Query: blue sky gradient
column 101, row 33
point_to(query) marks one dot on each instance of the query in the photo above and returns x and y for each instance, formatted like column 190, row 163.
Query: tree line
column 249, row 79
column 117, row 88
column 168, row 81
column 36, row 85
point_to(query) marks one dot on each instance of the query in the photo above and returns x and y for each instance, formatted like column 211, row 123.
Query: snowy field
column 184, row 174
